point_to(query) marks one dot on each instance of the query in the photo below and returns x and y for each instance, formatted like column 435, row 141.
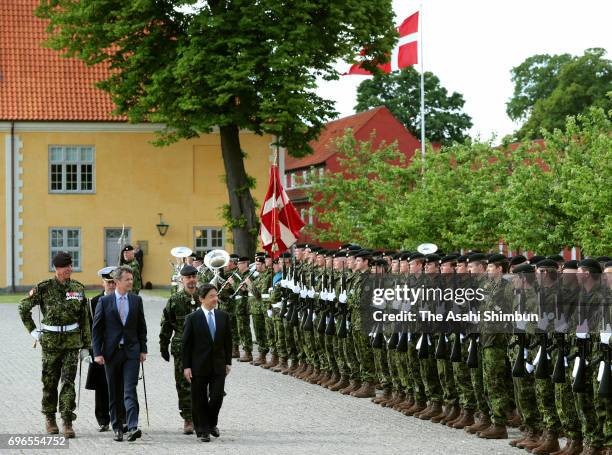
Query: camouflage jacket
column 135, row 266
column 60, row 304
column 178, row 307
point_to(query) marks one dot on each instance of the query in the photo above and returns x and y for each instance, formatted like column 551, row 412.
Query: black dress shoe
column 205, row 437
column 133, row 435
column 118, row 436
column 103, row 428
column 215, row 432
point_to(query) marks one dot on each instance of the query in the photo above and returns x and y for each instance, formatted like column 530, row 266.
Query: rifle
column 543, row 368
column 558, row 375
column 323, row 311
column 342, row 331
column 584, row 350
column 283, row 311
column 518, row 369
column 307, row 324
column 605, row 388
column 295, row 315
column 332, row 299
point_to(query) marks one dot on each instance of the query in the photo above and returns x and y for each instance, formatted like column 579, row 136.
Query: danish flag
column 280, row 221
column 404, row 54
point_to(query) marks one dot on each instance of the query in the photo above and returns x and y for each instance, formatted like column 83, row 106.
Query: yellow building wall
column 134, row 181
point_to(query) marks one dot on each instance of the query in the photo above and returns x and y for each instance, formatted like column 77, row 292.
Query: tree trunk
column 242, row 206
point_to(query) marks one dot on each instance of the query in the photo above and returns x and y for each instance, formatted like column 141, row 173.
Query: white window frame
column 311, row 216
column 79, row 162
column 77, row 267
column 208, row 229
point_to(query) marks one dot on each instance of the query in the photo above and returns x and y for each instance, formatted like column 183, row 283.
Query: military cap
column 415, row 256
column 352, row 253
column 462, row 258
column 591, row 264
column 395, row 257
column 547, row 263
column 193, row 255
column 602, row 258
column 188, row 270
column 285, row 255
column 571, row 265
column 243, row 259
column 365, row 254
column 556, row 257
column 62, row 259
column 477, row 257
column 344, row 246
column 260, row 253
column 608, row 264
column 198, row 258
column 405, row 256
column 429, row 258
column 234, row 257
column 354, row 247
column 519, row 259
column 105, row 273
column 321, row 252
column 301, row 245
column 261, row 259
column 128, row 248
column 448, row 258
column 535, row 259
column 380, row 263
column 524, row 268
column 496, row 258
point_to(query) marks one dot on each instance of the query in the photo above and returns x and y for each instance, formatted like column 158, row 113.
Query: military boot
column 367, row 390
column 481, row 423
column 531, row 441
column 514, row 419
column 341, row 384
column 333, row 378
column 281, row 366
column 272, row 363
column 325, row 378
column 385, row 396
column 451, row 422
column 440, row 417
column 434, row 410
column 51, row 425
column 591, row 450
column 494, row 432
column 406, row 404
column 354, row 384
column 188, row 426
column 235, row 351
column 306, row 372
column 550, row 444
column 246, row 357
column 521, row 438
column 260, row 360
column 452, row 414
column 292, row 369
column 395, row 398
column 68, row 430
column 465, row 421
column 416, row 408
column 314, row 377
column 574, row 447
column 400, row 397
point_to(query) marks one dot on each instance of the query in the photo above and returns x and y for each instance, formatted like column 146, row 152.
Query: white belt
column 60, row 328
column 238, row 297
column 265, row 296
column 277, row 305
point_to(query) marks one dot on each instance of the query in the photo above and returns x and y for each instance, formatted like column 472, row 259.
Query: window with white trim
column 310, row 215
column 65, row 239
column 71, row 169
column 207, row 238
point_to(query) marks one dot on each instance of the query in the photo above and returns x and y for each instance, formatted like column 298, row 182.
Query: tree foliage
column 548, row 88
column 400, row 92
column 540, row 196
column 232, row 64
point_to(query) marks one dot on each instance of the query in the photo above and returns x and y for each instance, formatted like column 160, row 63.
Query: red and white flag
column 405, row 52
column 280, row 221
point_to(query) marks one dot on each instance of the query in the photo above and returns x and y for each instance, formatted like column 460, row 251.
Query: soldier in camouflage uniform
column 178, row 307
column 259, row 300
column 243, row 317
column 127, row 258
column 228, row 304
column 274, row 322
column 64, row 331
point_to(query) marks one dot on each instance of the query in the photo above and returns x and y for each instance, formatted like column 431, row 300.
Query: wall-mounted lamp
column 162, row 227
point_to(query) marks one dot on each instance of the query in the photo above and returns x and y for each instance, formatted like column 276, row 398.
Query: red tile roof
column 36, row 83
column 325, row 147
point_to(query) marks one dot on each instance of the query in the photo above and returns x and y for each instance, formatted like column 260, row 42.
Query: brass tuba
column 215, row 260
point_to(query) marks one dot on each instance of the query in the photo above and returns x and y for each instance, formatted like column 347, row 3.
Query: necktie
column 122, row 309
column 211, row 324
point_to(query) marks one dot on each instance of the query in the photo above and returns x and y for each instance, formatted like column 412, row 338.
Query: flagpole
column 422, row 85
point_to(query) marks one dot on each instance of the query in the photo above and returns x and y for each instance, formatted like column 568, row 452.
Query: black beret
column 300, row 245
column 432, row 258
column 414, row 256
column 462, row 258
column 243, row 259
column 404, row 256
column 524, row 268
column 380, row 263
column 188, row 270
column 602, row 258
column 261, row 259
column 285, row 255
column 193, row 255
column 556, row 257
column 198, row 258
column 352, row 253
column 477, row 257
column 395, row 257
column 571, row 265
column 365, row 254
column 128, row 248
column 62, row 259
column 234, row 257
column 592, row 264
column 354, row 247
column 535, row 259
column 448, row 258
column 608, row 264
column 547, row 263
column 497, row 259
column 516, row 260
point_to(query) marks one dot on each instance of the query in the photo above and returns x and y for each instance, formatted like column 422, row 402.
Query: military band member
column 178, row 307
column 64, row 330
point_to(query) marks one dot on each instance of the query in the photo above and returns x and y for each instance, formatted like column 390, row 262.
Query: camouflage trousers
column 447, row 381
column 276, row 334
column 477, row 376
column 566, row 405
column 346, row 347
column 382, row 367
column 395, row 375
column 414, row 372
column 525, row 395
column 495, row 372
column 183, row 388
column 243, row 322
column 364, row 356
column 59, row 365
column 332, row 355
column 463, row 380
column 259, row 326
column 592, row 412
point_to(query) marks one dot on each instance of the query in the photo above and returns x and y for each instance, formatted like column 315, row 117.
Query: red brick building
column 379, row 121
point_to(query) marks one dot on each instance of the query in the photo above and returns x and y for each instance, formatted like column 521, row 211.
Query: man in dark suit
column 207, row 359
column 120, row 344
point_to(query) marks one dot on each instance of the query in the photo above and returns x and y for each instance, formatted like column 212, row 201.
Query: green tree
column 400, row 92
column 550, row 88
column 238, row 64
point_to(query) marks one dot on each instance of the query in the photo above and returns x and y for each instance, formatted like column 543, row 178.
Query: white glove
column 84, row 354
column 343, row 297
column 36, row 333
column 303, row 293
column 311, row 293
